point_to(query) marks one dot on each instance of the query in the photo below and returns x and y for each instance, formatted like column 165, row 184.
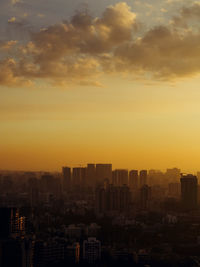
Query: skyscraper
column 143, row 177
column 91, row 250
column 133, row 180
column 189, row 191
column 91, row 174
column 145, row 197
column 173, row 175
column 103, row 171
column 120, row 177
column 66, row 178
column 109, row 199
column 79, row 177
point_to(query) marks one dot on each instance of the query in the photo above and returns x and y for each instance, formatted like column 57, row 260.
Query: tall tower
column 120, row 177
column 133, row 180
column 91, row 250
column 103, row 171
column 91, row 174
column 143, row 177
column 79, row 177
column 189, row 191
column 66, row 178
column 145, row 196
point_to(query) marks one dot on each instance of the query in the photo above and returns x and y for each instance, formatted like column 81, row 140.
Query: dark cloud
column 187, row 14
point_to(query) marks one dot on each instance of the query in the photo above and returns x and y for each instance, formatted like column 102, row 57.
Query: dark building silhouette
column 91, row 174
column 91, row 250
column 112, row 198
column 33, row 192
column 66, row 179
column 173, row 175
column 103, row 171
column 143, row 177
column 12, row 253
column 79, row 176
column 189, row 191
column 133, row 180
column 120, row 177
column 5, row 220
column 145, row 197
column 174, row 190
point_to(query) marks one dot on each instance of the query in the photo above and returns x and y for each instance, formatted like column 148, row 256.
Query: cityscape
column 99, row 133
column 99, row 216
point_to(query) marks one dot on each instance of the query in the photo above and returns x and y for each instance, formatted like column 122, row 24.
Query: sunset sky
column 99, row 81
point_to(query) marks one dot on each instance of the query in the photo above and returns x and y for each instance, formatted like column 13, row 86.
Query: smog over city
column 99, row 133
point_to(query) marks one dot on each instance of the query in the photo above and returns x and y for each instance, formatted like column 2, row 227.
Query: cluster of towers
column 115, row 193
column 94, row 174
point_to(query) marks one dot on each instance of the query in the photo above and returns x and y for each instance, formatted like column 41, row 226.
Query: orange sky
column 103, row 89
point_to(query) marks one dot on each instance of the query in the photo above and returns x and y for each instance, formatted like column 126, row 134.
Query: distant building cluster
column 98, row 216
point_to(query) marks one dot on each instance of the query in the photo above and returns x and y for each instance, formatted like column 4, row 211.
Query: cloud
column 14, row 2
column 12, row 19
column 9, row 74
column 163, row 53
column 7, row 45
column 187, row 14
column 78, row 51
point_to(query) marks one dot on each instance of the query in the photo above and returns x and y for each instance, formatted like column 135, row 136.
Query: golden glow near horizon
column 103, row 89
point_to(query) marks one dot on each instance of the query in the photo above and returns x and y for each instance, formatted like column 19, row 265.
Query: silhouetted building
column 79, row 177
column 5, row 221
column 103, row 171
column 111, row 198
column 189, row 190
column 33, row 192
column 174, row 190
column 91, row 250
column 49, row 252
column 11, row 223
column 14, row 253
column 173, row 175
column 145, row 197
column 73, row 253
column 133, row 180
column 91, row 175
column 120, row 177
column 50, row 184
column 143, row 177
column 66, row 179
column 156, row 177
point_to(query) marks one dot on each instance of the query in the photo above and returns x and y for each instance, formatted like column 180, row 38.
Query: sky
column 99, row 82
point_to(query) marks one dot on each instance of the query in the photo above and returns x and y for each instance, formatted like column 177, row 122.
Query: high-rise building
column 91, row 250
column 91, row 174
column 73, row 253
column 173, row 175
column 143, row 177
column 111, row 198
column 5, row 227
column 15, row 252
column 145, row 197
column 12, row 223
column 133, row 180
column 33, row 192
column 79, row 177
column 156, row 177
column 103, row 171
column 174, row 190
column 48, row 252
column 120, row 177
column 189, row 191
column 66, row 178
